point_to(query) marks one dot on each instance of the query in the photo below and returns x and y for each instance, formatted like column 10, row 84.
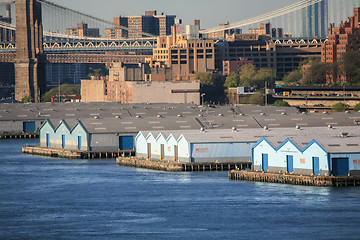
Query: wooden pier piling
column 282, row 178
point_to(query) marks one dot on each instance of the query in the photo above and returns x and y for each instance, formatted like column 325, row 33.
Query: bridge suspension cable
column 52, row 9
column 277, row 13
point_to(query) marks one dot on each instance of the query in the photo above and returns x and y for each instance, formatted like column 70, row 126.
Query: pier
column 21, row 135
column 72, row 154
column 172, row 166
column 283, row 178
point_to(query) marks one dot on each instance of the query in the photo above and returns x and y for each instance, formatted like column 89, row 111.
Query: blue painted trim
column 289, row 140
column 138, row 135
column 60, row 123
column 159, row 136
column 47, row 121
column 149, row 135
column 79, row 123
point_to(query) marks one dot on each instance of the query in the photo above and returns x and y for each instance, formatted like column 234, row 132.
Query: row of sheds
column 317, row 151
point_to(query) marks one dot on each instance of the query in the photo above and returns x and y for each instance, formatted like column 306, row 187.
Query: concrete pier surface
column 172, row 166
column 75, row 154
column 283, row 178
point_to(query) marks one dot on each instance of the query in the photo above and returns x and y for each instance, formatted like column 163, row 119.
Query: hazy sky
column 211, row 13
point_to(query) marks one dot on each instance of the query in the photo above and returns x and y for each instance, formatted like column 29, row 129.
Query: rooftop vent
column 179, row 115
column 234, row 129
column 347, row 111
column 330, row 126
column 325, row 112
column 344, row 134
column 138, row 116
column 303, row 113
column 298, row 127
column 283, row 113
column 262, row 114
column 96, row 117
column 241, row 114
column 159, row 116
column 200, row 115
column 202, row 129
column 221, row 115
column 266, row 128
column 117, row 117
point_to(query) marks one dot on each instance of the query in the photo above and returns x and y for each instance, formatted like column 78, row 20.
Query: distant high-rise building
column 83, row 30
column 158, row 25
column 315, row 19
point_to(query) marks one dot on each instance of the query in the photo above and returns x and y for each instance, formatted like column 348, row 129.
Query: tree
column 339, row 107
column 293, row 78
column 98, row 72
column 247, row 75
column 281, row 103
column 316, row 73
column 251, row 77
column 27, row 99
column 233, row 80
column 206, row 79
column 357, row 107
column 257, row 98
column 350, row 64
column 66, row 91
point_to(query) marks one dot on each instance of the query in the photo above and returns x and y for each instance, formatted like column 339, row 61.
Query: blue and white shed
column 317, row 151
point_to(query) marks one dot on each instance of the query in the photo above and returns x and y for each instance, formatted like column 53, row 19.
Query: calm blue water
column 44, row 198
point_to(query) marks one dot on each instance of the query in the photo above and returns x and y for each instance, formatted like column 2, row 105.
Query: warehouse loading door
column 340, row 166
column 126, row 142
column 29, row 126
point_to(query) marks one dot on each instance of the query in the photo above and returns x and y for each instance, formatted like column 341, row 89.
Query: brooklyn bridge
column 33, row 34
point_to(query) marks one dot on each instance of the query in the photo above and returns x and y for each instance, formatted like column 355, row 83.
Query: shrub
column 339, row 107
column 281, row 103
column 357, row 107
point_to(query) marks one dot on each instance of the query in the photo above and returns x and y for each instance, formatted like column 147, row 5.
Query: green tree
column 357, row 107
column 27, row 99
column 263, row 75
column 247, row 75
column 316, row 73
column 206, row 79
column 281, row 103
column 293, row 78
column 257, row 98
column 351, row 66
column 339, row 107
column 66, row 91
column 98, row 72
column 233, row 80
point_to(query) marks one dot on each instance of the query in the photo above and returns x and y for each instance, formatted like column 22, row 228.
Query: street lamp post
column 202, row 98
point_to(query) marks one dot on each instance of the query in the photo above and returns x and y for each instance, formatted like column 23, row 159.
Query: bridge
column 40, row 35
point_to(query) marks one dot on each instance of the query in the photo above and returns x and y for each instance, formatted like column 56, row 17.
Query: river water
column 46, row 198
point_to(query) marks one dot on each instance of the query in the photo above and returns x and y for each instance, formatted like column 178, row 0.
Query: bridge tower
column 29, row 64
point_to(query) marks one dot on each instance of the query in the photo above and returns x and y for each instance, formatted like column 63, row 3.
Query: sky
column 210, row 12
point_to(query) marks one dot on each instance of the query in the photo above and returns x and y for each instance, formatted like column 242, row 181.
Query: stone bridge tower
column 29, row 64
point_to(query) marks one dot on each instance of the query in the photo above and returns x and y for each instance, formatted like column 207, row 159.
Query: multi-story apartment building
column 185, row 54
column 343, row 39
column 158, row 25
column 221, row 34
column 282, row 56
column 83, row 30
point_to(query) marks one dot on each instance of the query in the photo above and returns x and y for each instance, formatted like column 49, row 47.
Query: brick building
column 138, row 83
column 158, row 25
column 185, row 54
column 234, row 66
column 221, row 34
column 343, row 39
column 83, row 30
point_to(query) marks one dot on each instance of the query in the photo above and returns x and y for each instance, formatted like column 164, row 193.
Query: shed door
column 79, row 142
column 29, row 126
column 176, row 152
column 63, row 141
column 162, row 154
column 149, row 150
column 290, row 163
column 316, row 166
column 126, row 142
column 265, row 162
column 340, row 166
column 47, row 140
